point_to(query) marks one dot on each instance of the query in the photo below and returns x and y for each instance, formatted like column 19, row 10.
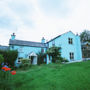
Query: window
column 83, row 48
column 88, row 47
column 21, row 49
column 53, row 43
column 84, row 55
column 70, row 40
column 12, row 47
column 29, row 57
column 71, row 55
column 42, row 50
column 19, row 59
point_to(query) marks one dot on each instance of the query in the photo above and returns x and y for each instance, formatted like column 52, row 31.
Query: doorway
column 33, row 58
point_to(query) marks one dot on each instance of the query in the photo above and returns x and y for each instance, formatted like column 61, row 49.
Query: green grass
column 74, row 76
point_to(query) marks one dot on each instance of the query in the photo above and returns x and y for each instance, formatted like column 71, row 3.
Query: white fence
column 86, row 59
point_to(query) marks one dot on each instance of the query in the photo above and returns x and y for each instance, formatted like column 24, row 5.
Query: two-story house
column 69, row 42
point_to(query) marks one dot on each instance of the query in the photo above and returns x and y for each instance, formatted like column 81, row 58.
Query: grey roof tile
column 4, row 47
column 84, row 43
column 26, row 43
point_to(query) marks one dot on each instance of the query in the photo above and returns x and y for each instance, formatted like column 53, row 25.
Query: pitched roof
column 26, row 43
column 84, row 43
column 4, row 47
column 59, row 36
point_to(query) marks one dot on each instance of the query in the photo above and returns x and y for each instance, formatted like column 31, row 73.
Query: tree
column 55, row 52
column 41, row 57
column 9, row 56
column 85, row 36
column 1, row 59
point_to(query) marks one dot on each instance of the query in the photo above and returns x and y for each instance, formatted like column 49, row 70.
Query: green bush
column 55, row 52
column 58, row 61
column 61, row 59
column 41, row 57
column 64, row 60
column 25, row 63
column 9, row 56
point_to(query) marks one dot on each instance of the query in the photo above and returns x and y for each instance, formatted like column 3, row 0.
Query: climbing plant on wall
column 55, row 52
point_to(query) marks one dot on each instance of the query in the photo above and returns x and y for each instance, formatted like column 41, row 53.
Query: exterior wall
column 78, row 48
column 61, row 41
column 23, row 51
column 66, row 48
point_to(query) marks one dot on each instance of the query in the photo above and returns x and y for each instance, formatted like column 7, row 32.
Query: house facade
column 69, row 42
column 85, row 50
column 4, row 48
column 27, row 49
column 70, row 46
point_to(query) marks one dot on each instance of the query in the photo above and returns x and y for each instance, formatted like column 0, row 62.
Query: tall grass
column 6, row 80
column 75, row 76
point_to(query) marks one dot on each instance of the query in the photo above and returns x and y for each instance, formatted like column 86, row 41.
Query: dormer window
column 70, row 40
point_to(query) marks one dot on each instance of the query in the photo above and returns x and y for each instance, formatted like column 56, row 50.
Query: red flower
column 6, row 69
column 13, row 72
column 3, row 68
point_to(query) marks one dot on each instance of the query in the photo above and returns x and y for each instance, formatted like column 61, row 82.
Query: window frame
column 70, row 40
column 71, row 55
column 19, row 59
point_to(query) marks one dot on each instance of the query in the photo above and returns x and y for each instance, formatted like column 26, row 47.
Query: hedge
column 9, row 56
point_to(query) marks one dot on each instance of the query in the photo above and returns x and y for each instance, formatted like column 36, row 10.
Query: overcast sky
column 33, row 19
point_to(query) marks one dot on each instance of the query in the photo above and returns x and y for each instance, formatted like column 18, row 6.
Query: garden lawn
column 74, row 76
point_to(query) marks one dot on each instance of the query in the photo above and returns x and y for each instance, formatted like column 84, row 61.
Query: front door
column 32, row 59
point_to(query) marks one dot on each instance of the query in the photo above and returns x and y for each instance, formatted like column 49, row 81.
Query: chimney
column 43, row 40
column 13, row 36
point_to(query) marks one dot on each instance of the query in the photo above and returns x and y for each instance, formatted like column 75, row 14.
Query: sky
column 31, row 20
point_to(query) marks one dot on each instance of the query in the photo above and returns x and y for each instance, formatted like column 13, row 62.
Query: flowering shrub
column 6, row 78
column 6, row 69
